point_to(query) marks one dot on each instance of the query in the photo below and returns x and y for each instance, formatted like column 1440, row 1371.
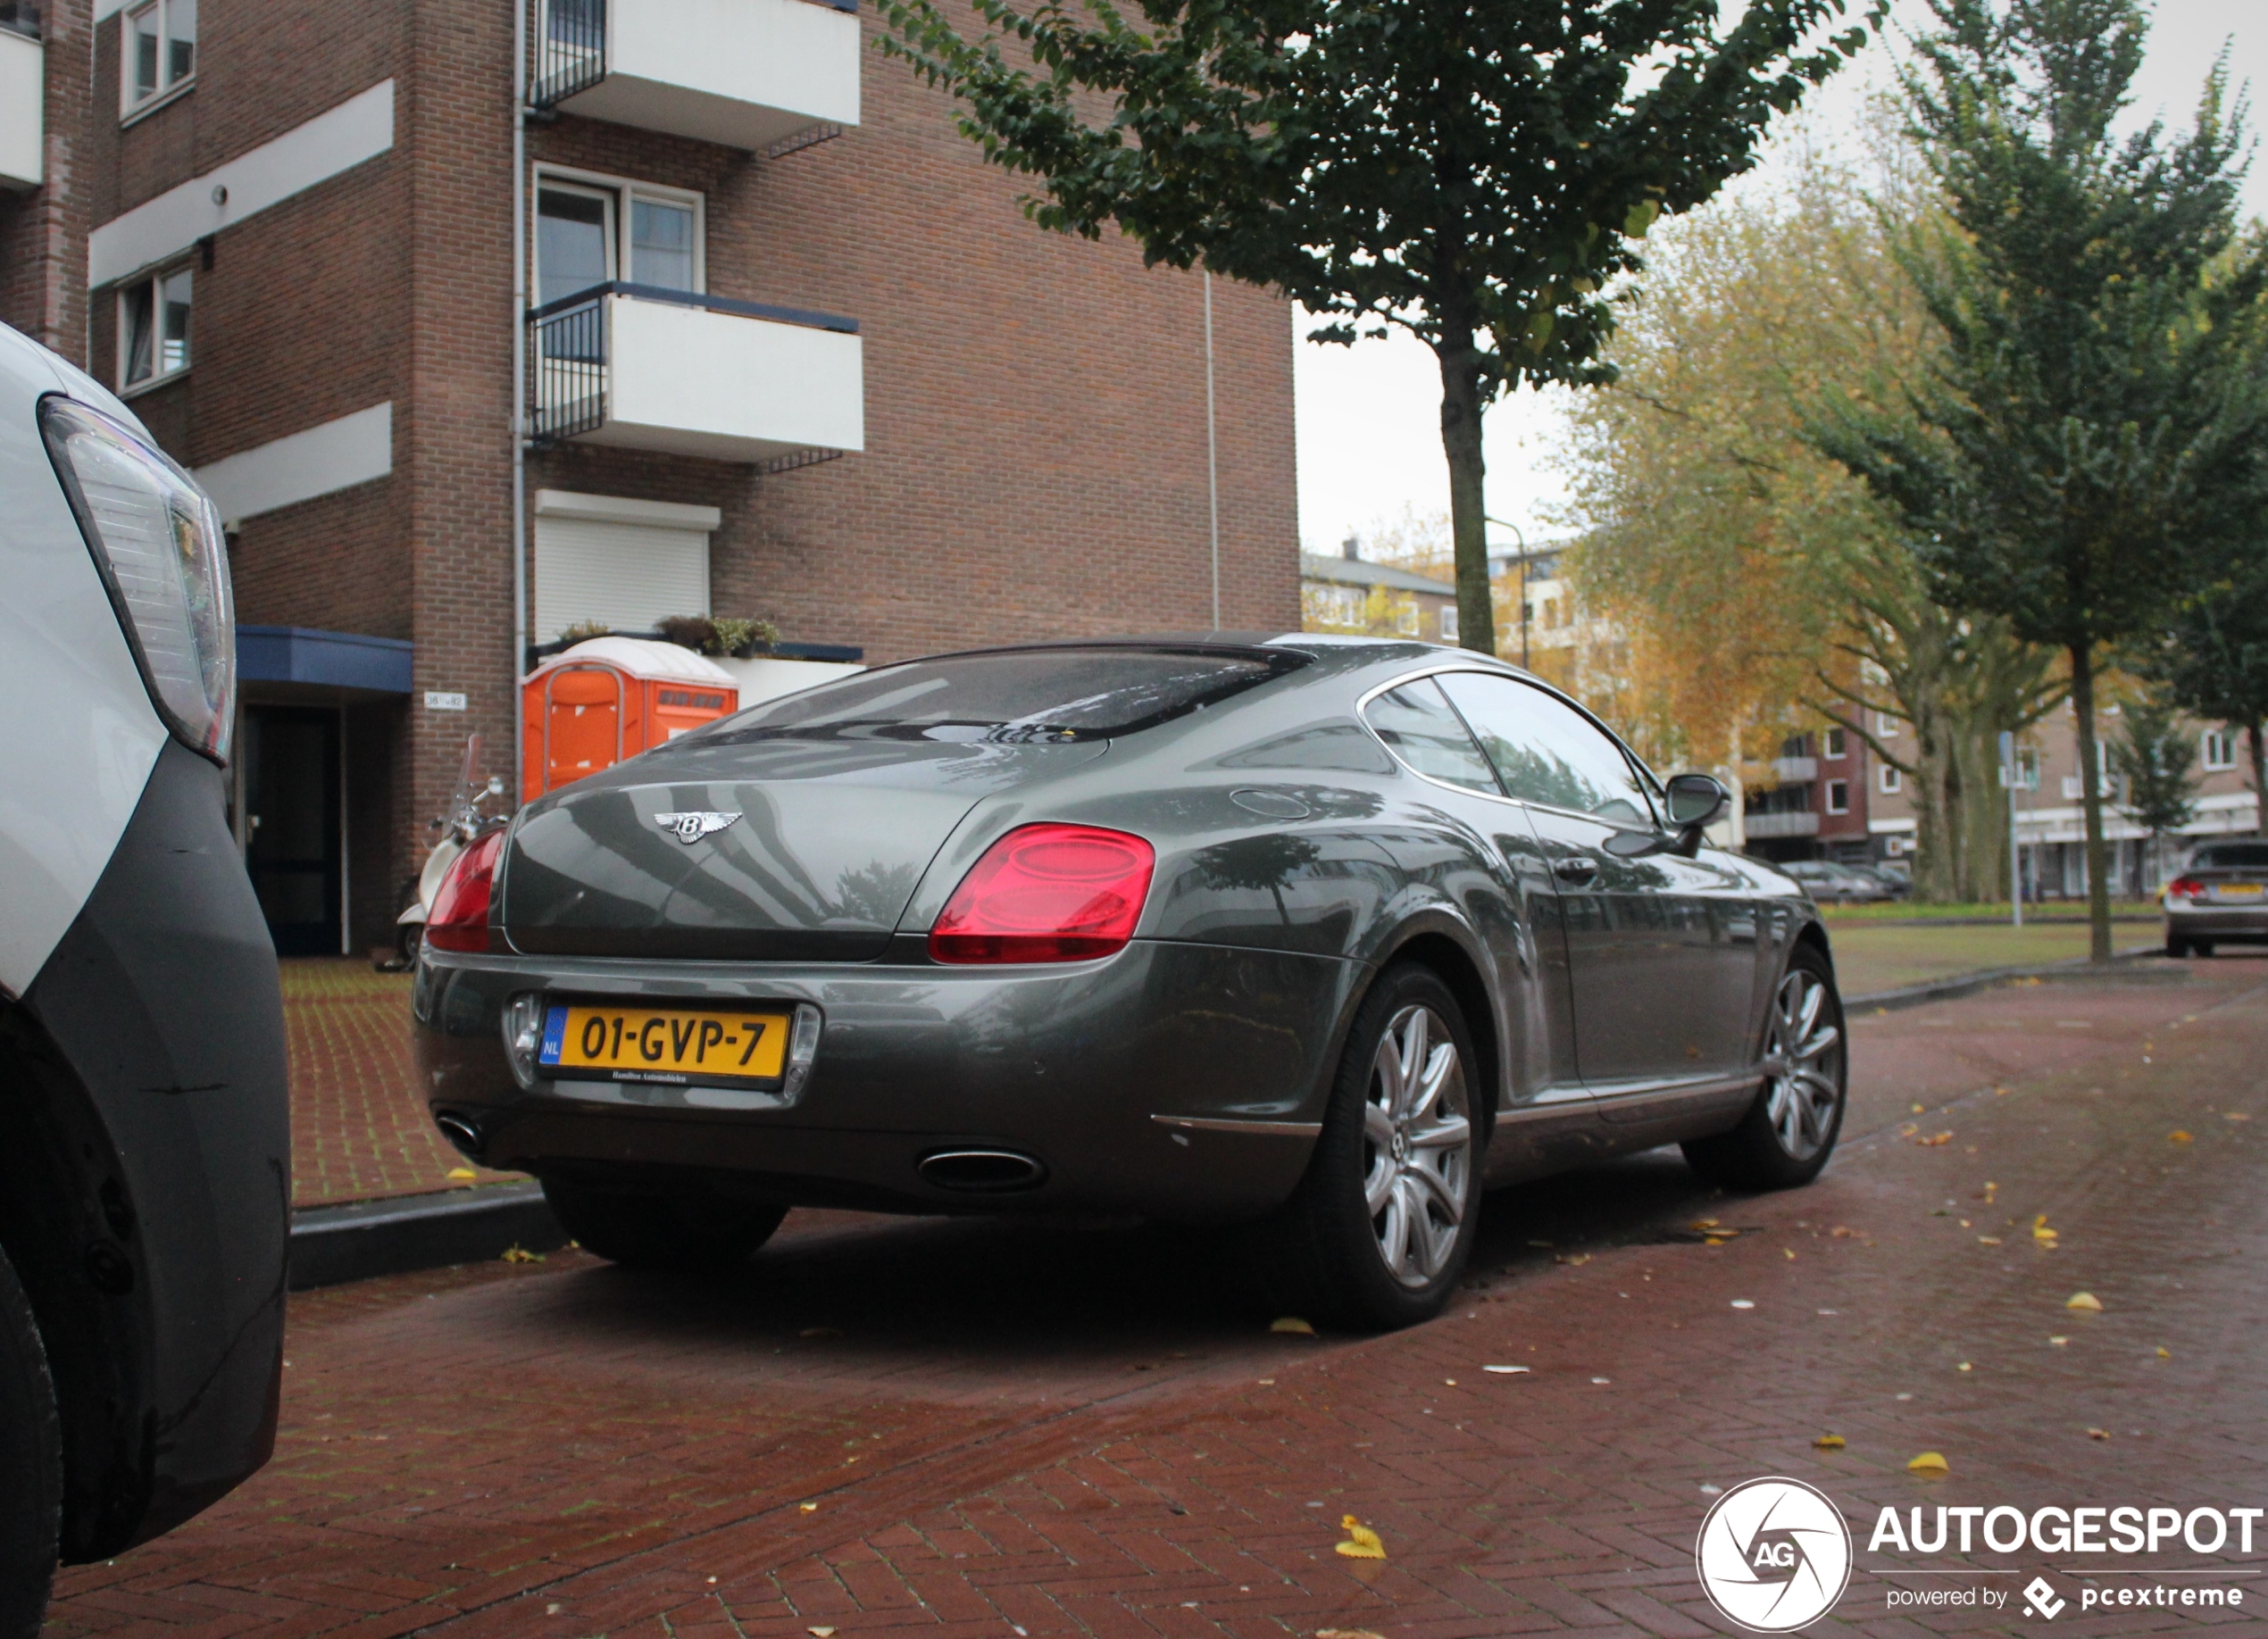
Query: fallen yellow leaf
column 2039, row 1229
column 1362, row 1544
column 462, row 1172
column 821, row 1633
column 2084, row 1300
column 2059, row 1342
column 1830, row 1443
column 1988, row 1240
column 808, row 1508
column 1917, row 1110
column 1928, row 1462
column 2165, row 1353
column 521, row 1255
column 1963, row 1367
column 1293, row 1323
column 1346, row 1632
column 2178, row 1136
column 2099, row 1434
column 1934, row 1140
column 1788, row 1254
column 2236, row 1115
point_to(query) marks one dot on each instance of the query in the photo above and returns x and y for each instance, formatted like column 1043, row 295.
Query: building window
column 1835, row 751
column 591, row 231
column 160, row 49
column 1885, row 725
column 2220, row 750
column 1448, row 623
column 153, row 328
column 1891, row 779
column 1406, row 619
column 1838, row 796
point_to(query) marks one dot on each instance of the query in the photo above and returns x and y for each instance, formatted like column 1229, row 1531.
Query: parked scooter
column 460, row 828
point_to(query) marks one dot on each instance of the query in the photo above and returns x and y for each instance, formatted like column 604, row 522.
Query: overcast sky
column 1369, row 444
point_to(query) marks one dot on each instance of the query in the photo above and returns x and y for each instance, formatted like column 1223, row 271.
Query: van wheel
column 642, row 1231
column 1378, row 1233
column 2202, row 947
column 1790, row 1130
column 31, row 1465
column 2176, row 948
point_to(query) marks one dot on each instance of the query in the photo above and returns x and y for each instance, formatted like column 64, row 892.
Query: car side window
column 1546, row 752
column 1417, row 722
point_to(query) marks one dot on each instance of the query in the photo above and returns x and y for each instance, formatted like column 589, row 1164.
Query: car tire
column 2202, row 947
column 2176, row 948
column 31, row 1465
column 1789, row 1130
column 640, row 1230
column 1376, row 1235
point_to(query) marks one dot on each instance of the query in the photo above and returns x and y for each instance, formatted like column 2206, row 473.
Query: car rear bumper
column 156, row 1042
column 2245, row 923
column 1177, row 1080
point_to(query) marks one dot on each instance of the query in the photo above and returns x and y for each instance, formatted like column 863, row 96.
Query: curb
column 2080, row 969
column 361, row 1239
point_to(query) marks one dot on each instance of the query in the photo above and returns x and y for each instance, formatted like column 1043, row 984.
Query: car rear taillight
column 2185, row 888
column 1047, row 893
column 458, row 918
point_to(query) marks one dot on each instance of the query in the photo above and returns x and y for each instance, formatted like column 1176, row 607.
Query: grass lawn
column 1876, row 956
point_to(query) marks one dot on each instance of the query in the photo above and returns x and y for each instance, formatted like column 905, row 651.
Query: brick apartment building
column 1350, row 593
column 791, row 352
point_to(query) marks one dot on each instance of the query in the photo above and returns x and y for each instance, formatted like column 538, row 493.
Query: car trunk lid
column 779, row 850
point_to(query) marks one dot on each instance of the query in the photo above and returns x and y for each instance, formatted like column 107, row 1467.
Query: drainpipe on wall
column 1211, row 451
column 519, row 384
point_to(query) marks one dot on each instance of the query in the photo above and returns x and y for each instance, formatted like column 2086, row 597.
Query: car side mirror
column 1695, row 801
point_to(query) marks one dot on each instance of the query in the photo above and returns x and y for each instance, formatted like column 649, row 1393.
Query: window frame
column 620, row 192
column 1836, row 805
column 1445, row 623
column 1649, row 785
column 2228, row 758
column 152, row 281
column 131, row 103
column 1890, row 779
column 1835, row 745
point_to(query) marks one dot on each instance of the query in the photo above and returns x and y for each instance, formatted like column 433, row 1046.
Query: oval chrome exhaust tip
column 460, row 1132
column 982, row 1172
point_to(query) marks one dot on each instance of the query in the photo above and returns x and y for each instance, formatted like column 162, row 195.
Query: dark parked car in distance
column 1315, row 936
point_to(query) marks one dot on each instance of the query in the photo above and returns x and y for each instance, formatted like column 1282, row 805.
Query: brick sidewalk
column 980, row 1428
column 359, row 1124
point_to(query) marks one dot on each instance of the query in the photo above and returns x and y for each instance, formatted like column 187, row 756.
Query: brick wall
column 43, row 234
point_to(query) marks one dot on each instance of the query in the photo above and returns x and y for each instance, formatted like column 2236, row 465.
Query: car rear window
column 1014, row 697
column 2232, row 856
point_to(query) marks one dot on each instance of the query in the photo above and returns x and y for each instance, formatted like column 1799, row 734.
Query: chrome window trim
column 1266, row 1129
column 1513, row 675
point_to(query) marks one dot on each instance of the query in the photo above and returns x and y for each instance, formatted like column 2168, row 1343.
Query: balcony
column 764, row 75
column 1795, row 770
column 1780, row 825
column 23, row 98
column 646, row 369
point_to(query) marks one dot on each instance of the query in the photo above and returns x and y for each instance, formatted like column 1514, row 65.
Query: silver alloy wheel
column 1803, row 1066
column 1417, row 1145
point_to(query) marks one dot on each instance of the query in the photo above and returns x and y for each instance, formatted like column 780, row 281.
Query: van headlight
column 157, row 541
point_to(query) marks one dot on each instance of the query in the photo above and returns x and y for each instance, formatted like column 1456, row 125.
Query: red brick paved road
column 973, row 1428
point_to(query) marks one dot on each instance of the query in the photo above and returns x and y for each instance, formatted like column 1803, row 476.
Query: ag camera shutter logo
column 1773, row 1555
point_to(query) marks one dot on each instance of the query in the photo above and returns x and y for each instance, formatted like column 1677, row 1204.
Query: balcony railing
column 749, row 383
column 764, row 75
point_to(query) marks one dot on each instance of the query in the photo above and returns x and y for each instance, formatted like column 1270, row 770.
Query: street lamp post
column 1523, row 539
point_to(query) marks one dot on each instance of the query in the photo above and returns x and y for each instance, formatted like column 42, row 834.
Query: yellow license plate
column 2237, row 890
column 676, row 1046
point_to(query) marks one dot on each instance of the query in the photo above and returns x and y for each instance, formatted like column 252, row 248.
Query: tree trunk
column 2259, row 778
column 2090, row 797
column 1468, row 500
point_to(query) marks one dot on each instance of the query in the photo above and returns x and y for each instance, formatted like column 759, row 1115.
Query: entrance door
column 293, row 849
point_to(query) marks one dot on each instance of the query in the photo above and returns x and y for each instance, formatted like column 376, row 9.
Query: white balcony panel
column 745, row 73
column 1795, row 770
column 1780, row 825
column 727, row 386
column 23, row 98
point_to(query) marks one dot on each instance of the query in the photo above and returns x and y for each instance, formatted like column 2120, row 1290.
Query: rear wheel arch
column 65, row 1220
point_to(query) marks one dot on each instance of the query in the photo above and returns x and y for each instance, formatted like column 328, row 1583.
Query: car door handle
column 1575, row 868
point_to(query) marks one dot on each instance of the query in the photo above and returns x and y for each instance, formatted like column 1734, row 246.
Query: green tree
column 2083, row 426
column 2157, row 758
column 2212, row 658
column 1478, row 174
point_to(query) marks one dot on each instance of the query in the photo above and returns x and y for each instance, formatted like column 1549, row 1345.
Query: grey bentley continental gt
column 1323, row 935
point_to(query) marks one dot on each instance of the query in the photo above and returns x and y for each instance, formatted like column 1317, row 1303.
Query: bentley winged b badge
column 693, row 824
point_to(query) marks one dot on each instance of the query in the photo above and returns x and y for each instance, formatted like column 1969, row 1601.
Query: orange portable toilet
column 608, row 698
